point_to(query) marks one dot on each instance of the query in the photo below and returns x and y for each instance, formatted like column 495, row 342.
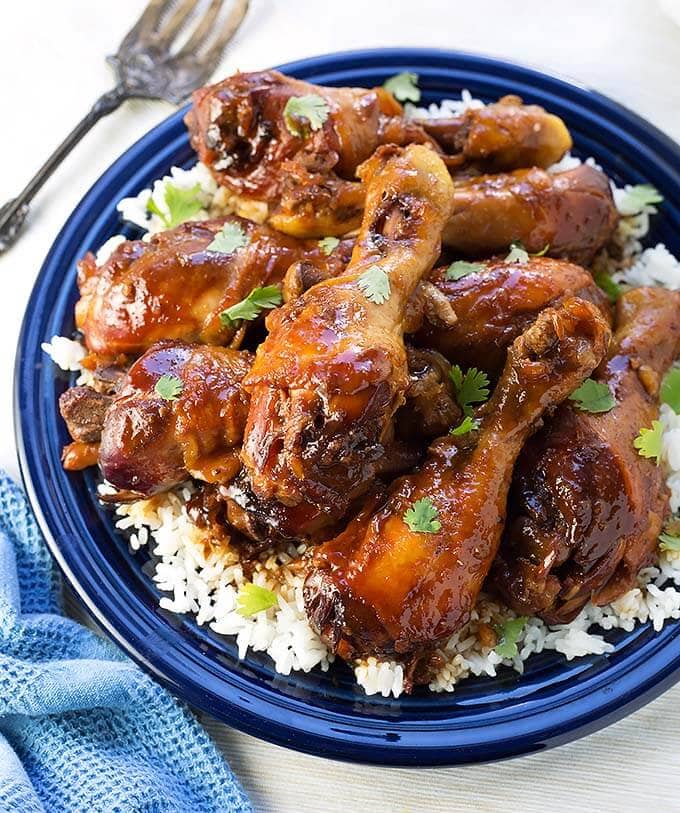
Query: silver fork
column 145, row 68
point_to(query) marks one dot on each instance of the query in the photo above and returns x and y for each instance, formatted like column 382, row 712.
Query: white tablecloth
column 52, row 68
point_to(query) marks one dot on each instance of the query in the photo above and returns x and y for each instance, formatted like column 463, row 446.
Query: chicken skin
column 569, row 214
column 383, row 587
column 585, row 508
column 502, row 136
column 175, row 287
column 495, row 303
column 154, row 438
column 241, row 129
column 472, row 320
column 332, row 372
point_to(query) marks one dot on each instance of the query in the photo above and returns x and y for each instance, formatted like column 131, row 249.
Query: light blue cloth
column 81, row 727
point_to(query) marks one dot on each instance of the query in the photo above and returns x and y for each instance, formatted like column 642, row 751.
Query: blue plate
column 326, row 714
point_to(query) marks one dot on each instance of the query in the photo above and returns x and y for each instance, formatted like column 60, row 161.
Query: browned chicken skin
column 381, row 588
column 496, row 303
column 586, row 509
column 472, row 320
column 572, row 214
column 332, row 372
column 502, row 136
column 238, row 129
column 174, row 288
column 150, row 443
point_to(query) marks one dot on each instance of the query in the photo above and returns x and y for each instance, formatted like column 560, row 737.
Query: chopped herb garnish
column 404, row 86
column 251, row 307
column 518, row 254
column 461, row 269
column 670, row 389
column 253, row 599
column 611, row 288
column 472, row 387
column 228, row 239
column 468, row 424
column 375, row 284
column 328, row 245
column 636, row 198
column 593, row 396
column 669, row 542
column 182, row 204
column 169, row 387
column 423, row 517
column 648, row 442
column 508, row 634
column 303, row 114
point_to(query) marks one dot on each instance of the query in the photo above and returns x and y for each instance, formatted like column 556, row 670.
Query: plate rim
column 292, row 732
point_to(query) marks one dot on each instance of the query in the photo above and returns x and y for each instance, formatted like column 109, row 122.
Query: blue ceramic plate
column 326, row 714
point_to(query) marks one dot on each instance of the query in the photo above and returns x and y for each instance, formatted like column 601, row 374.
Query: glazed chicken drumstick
column 175, row 286
column 385, row 587
column 303, row 164
column 566, row 214
column 494, row 304
column 472, row 320
column 332, row 372
column 180, row 412
column 502, row 136
column 586, row 508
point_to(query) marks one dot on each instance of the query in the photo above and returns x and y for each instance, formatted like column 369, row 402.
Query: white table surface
column 52, row 68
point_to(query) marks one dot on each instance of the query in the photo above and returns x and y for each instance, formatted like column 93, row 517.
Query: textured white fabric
column 52, row 68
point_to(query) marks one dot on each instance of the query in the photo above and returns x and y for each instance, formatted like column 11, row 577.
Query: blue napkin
column 81, row 727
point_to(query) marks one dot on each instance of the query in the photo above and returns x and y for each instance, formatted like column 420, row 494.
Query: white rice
column 203, row 579
column 108, row 248
column 654, row 266
column 447, row 108
column 65, row 353
column 135, row 210
column 216, row 201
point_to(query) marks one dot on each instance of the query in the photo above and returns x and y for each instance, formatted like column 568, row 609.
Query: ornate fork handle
column 14, row 212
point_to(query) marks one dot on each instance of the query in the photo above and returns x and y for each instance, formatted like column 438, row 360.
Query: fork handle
column 13, row 213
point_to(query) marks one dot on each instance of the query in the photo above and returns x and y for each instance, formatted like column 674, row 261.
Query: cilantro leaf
column 472, row 387
column 637, row 198
column 509, row 633
column 461, row 269
column 182, row 204
column 423, row 517
column 228, row 239
column 328, row 245
column 669, row 542
column 611, row 288
column 468, row 424
column 251, row 307
column 593, row 396
column 517, row 253
column 304, row 113
column 403, row 86
column 253, row 599
column 648, row 442
column 670, row 389
column 375, row 284
column 169, row 387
